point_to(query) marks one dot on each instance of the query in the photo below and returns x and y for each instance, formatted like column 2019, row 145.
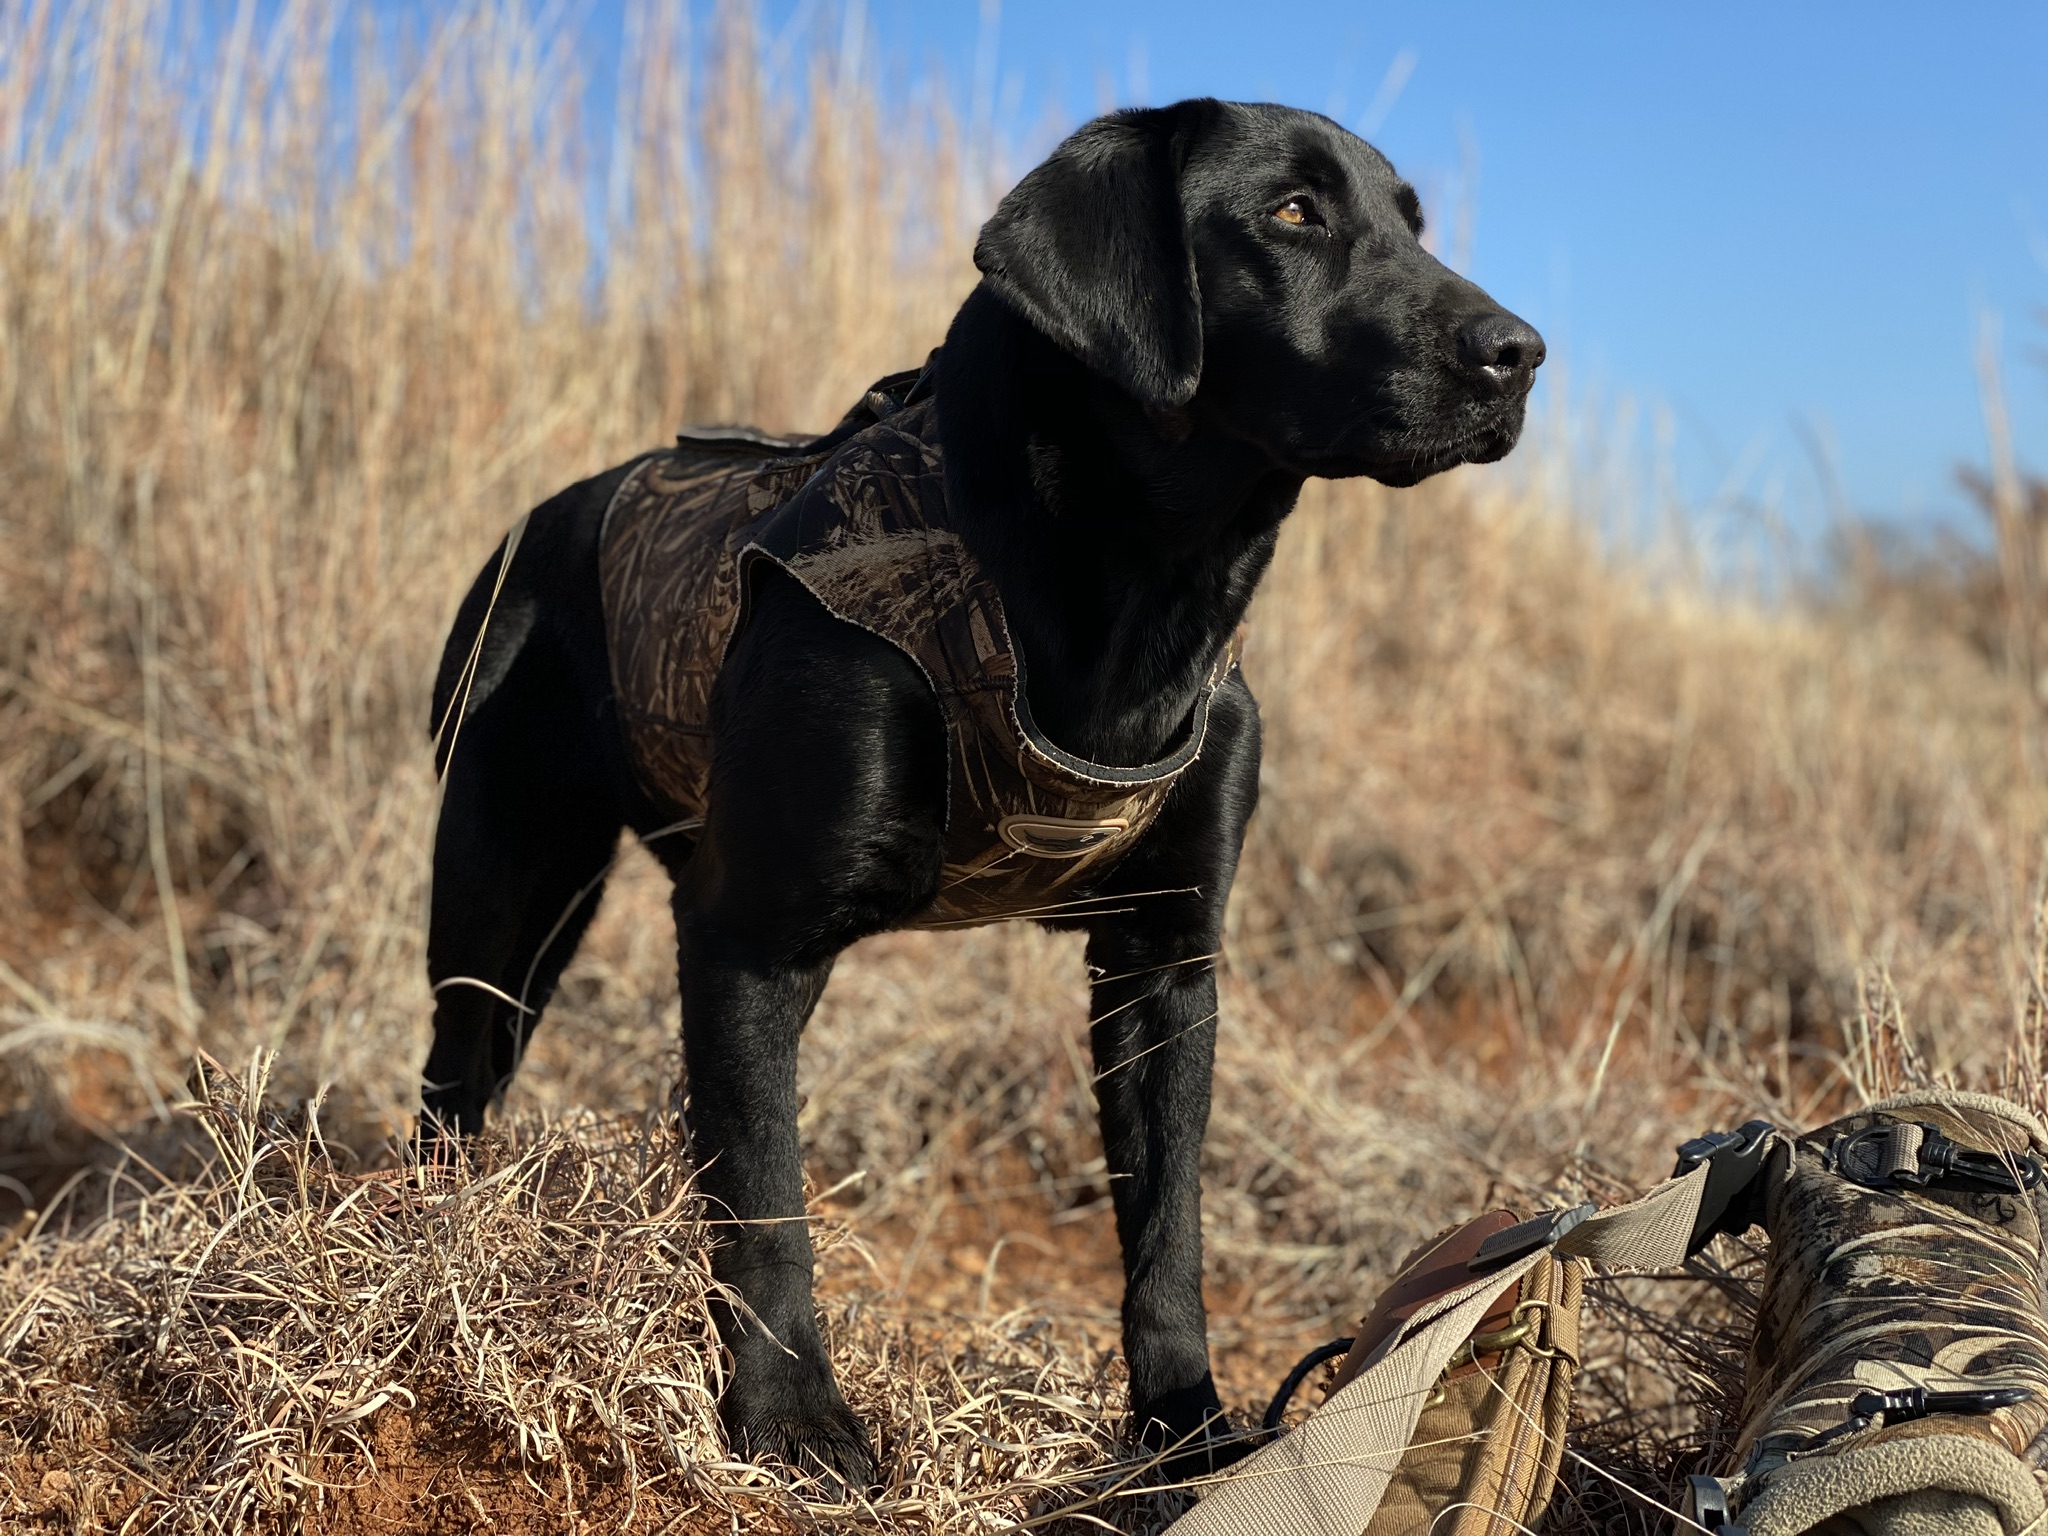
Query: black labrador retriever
column 1184, row 313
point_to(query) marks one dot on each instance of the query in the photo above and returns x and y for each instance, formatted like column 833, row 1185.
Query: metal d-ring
column 1521, row 1332
column 1545, row 1351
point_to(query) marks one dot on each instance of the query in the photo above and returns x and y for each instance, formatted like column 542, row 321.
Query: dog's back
column 539, row 583
column 548, row 564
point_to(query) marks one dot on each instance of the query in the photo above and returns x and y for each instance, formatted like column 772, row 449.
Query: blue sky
column 1778, row 224
column 1773, row 231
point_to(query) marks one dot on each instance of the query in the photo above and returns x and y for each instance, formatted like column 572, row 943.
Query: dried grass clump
column 243, row 1325
column 270, row 1337
column 242, row 1345
column 1659, row 1394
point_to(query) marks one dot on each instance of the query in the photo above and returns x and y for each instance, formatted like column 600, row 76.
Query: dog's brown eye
column 1297, row 210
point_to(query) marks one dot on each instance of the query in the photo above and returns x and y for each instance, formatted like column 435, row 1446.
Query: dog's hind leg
column 520, row 859
column 532, row 801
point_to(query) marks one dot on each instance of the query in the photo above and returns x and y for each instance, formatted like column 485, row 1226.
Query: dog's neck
column 1126, row 548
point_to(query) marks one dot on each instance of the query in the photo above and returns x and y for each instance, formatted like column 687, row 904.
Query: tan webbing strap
column 1650, row 1233
column 1327, row 1477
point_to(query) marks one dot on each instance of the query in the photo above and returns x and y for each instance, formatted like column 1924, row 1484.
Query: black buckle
column 1526, row 1237
column 1733, row 1200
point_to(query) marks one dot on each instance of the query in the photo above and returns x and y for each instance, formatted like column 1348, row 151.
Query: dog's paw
column 828, row 1446
column 1189, row 1435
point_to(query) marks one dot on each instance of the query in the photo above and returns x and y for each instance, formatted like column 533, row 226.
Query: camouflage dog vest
column 860, row 519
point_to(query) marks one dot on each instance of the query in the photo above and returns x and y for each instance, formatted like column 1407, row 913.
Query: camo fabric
column 1894, row 1287
column 672, row 594
column 864, row 528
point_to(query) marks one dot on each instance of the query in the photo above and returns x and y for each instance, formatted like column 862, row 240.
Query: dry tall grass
column 1561, row 853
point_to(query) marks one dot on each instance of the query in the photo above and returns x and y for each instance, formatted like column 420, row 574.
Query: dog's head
column 1260, row 269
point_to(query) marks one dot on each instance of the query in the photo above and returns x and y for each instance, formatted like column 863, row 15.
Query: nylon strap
column 1327, row 1477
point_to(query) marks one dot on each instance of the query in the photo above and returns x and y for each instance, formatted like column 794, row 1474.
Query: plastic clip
column 1732, row 1202
column 1908, row 1403
column 1904, row 1404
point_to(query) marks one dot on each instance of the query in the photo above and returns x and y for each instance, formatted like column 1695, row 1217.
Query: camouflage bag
column 1898, row 1381
column 1448, row 1417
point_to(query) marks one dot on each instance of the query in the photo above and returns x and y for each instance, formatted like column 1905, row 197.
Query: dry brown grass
column 1562, row 852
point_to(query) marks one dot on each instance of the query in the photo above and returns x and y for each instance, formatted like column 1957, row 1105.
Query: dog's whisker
column 1203, row 1022
column 481, row 986
column 1079, row 906
column 1152, row 970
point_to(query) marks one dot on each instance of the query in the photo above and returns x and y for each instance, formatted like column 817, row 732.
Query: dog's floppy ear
column 1092, row 248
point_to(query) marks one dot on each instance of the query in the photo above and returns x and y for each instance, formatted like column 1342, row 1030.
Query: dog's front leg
column 1153, row 1034
column 826, row 823
column 742, row 1018
column 1154, row 1041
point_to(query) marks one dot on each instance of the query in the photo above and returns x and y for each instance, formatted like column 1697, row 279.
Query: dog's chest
column 1027, row 825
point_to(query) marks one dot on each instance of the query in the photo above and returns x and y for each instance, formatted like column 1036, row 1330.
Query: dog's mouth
column 1411, row 464
column 1482, row 447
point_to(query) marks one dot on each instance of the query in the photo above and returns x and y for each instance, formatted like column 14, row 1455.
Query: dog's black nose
column 1501, row 350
